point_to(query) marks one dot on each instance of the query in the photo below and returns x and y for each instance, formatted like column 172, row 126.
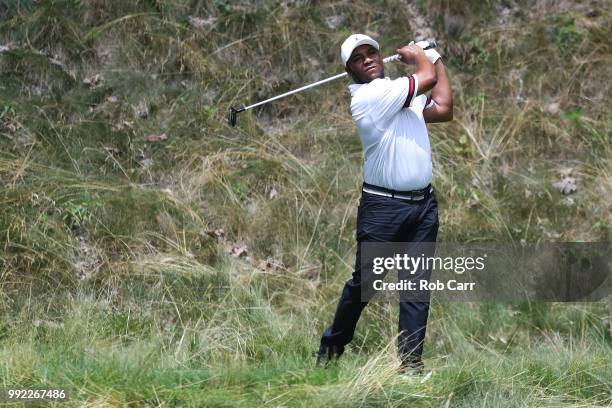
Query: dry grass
column 199, row 270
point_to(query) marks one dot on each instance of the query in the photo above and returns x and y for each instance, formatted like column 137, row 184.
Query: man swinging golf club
column 397, row 200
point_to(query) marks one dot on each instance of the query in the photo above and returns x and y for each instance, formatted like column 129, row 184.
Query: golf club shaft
column 395, row 57
column 294, row 91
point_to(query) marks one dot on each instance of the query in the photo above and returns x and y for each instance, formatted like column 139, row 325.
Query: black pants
column 381, row 219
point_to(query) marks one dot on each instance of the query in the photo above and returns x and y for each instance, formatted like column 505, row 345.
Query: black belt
column 414, row 195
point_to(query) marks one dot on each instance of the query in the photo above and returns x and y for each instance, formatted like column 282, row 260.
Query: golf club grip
column 396, row 57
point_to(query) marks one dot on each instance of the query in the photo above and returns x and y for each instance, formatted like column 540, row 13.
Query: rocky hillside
column 135, row 222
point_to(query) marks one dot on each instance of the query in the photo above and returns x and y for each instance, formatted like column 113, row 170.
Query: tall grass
column 200, row 269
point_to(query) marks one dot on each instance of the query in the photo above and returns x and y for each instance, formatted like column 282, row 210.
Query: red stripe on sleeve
column 411, row 89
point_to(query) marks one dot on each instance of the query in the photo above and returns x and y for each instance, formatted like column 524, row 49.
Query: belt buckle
column 408, row 197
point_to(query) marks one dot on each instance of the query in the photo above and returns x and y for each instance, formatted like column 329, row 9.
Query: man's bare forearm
column 441, row 93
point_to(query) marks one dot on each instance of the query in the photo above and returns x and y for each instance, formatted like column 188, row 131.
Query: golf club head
column 231, row 116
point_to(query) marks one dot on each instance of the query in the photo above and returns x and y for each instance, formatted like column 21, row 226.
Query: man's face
column 365, row 64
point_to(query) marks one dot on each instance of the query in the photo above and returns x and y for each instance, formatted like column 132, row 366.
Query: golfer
column 397, row 200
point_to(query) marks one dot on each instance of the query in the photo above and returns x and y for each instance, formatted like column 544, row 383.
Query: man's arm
column 425, row 70
column 442, row 109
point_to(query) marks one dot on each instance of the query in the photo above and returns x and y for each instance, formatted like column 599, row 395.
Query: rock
column 88, row 259
column 499, row 338
column 420, row 23
column 593, row 13
column 155, row 138
column 553, row 108
column 273, row 194
column 141, row 110
column 270, row 265
column 568, row 201
column 239, row 250
column 567, row 185
column 201, row 23
column 146, row 163
column 252, row 208
column 551, row 234
column 218, row 233
column 56, row 61
column 93, row 80
column 49, row 323
column 111, row 150
column 334, row 21
column 7, row 47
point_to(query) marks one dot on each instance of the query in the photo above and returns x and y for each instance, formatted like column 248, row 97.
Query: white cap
column 352, row 42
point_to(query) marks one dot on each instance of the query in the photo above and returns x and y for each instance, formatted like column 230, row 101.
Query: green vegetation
column 152, row 255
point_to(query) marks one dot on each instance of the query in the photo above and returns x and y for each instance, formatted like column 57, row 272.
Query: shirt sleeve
column 389, row 96
column 429, row 103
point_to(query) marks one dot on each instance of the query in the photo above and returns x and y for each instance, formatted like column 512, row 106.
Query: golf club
column 233, row 112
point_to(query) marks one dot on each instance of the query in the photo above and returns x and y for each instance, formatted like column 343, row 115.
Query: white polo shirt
column 394, row 138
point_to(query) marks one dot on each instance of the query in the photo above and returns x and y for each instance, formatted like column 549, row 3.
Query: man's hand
column 425, row 70
column 409, row 53
column 431, row 54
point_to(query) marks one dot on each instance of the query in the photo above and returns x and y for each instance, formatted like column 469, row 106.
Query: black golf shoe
column 410, row 368
column 327, row 354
